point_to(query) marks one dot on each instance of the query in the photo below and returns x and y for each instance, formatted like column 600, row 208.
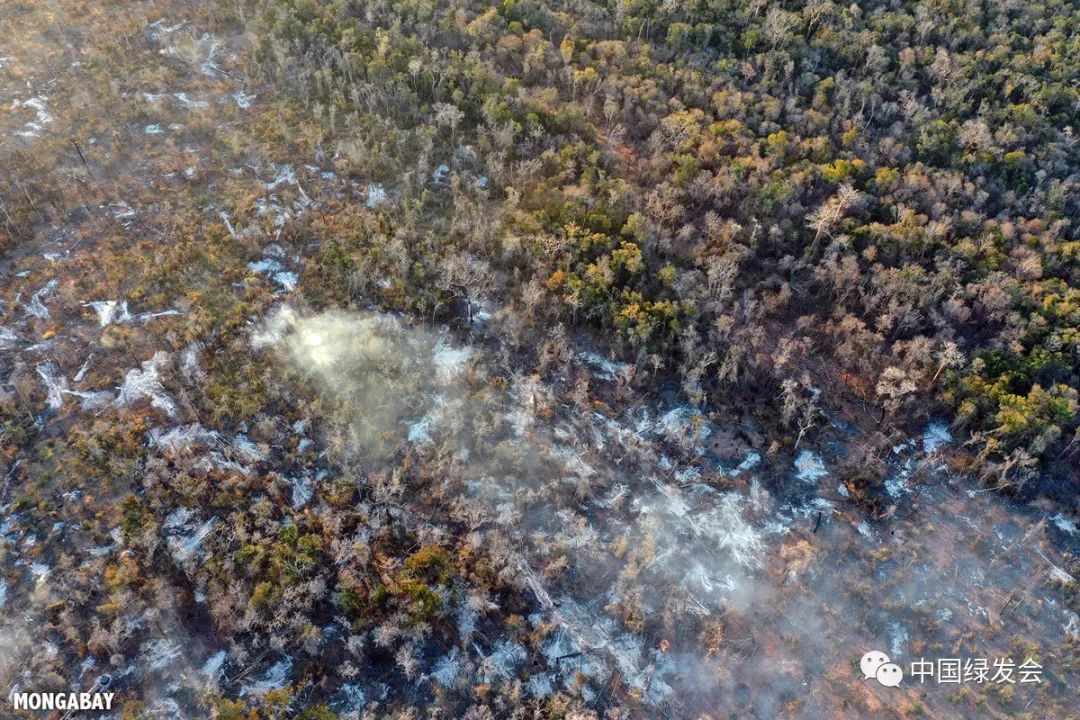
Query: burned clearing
column 366, row 360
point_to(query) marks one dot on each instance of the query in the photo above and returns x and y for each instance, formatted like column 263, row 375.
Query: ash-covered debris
column 185, row 535
column 56, row 384
column 144, row 383
column 36, row 305
column 203, row 450
column 113, row 312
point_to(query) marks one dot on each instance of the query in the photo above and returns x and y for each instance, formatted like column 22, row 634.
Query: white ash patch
column 725, row 522
column 275, row 678
column 55, row 384
column 506, row 657
column 683, row 423
column 177, row 519
column 266, row 265
column 153, row 129
column 698, row 577
column 1059, row 575
column 87, row 665
column 809, row 467
column 214, row 667
column 36, row 306
column 815, row 506
column 159, row 30
column 201, row 53
column 110, row 311
column 183, row 538
column 228, row 224
column 243, row 100
column 113, row 312
column 615, row 496
column 468, row 614
column 8, row 531
column 189, row 103
column 903, row 447
column 572, row 461
column 302, row 490
column 189, row 363
column 248, row 450
column 1064, row 524
column 597, row 636
column 42, row 117
column 8, row 338
column 1072, row 624
column 446, row 669
column 183, row 438
column 420, row 431
column 449, row 360
column 898, row 638
column 541, row 685
column 286, row 175
column 206, row 450
column 897, row 483
column 273, row 267
column 91, row 400
column 936, row 435
column 376, row 196
column 520, row 414
column 165, row 708
column 144, row 382
column 605, row 368
column 287, row 279
column 121, row 210
column 349, row 700
column 159, row 654
column 751, row 461
column 481, row 311
column 103, row 550
column 559, row 646
column 688, row 475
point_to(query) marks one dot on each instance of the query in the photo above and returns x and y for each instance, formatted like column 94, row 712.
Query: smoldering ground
column 653, row 575
column 388, row 382
column 651, row 567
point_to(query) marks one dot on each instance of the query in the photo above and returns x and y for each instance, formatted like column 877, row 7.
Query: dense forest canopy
column 876, row 200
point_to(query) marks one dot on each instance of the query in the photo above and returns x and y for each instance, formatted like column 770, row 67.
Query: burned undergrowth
column 319, row 407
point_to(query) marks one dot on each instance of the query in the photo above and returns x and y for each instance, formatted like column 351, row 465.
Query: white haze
column 625, row 503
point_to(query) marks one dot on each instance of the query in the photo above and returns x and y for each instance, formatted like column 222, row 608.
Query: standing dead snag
column 829, row 215
column 81, row 156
